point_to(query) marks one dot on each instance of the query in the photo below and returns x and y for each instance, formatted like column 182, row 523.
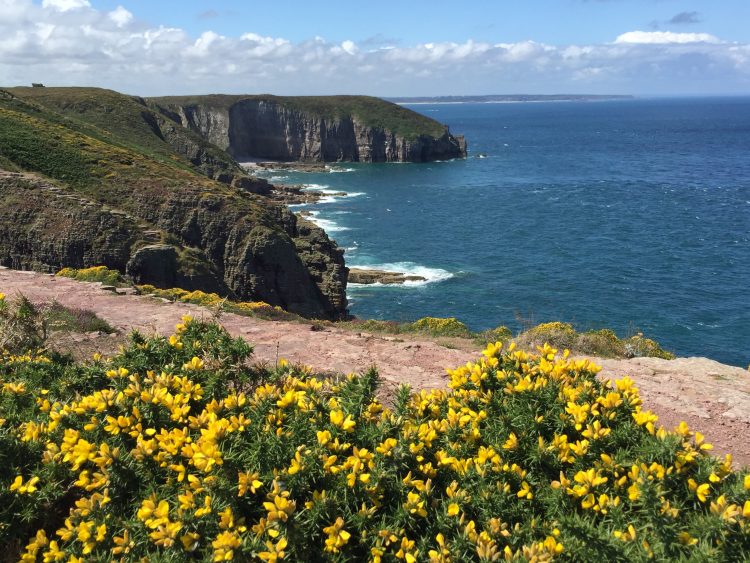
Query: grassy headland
column 370, row 111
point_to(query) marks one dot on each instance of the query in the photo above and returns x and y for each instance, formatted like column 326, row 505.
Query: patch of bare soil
column 711, row 397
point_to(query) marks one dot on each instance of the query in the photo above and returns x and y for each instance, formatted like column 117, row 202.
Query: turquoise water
column 633, row 215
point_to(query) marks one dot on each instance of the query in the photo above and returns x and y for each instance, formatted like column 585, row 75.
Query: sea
column 632, row 215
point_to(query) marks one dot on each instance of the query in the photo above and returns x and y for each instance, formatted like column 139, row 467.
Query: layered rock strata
column 266, row 128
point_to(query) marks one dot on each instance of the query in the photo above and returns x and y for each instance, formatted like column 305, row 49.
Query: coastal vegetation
column 175, row 449
column 602, row 343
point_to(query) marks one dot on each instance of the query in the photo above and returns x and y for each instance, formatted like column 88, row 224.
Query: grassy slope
column 123, row 120
column 98, row 163
column 40, row 140
column 373, row 112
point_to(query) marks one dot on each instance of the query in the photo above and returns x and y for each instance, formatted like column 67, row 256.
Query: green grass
column 122, row 120
column 71, row 319
column 372, row 112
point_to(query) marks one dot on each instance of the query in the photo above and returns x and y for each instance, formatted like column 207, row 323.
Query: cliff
column 330, row 129
column 93, row 177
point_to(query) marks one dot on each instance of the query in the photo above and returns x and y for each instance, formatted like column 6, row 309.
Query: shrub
column 100, row 274
column 22, row 327
column 560, row 335
column 500, row 334
column 174, row 450
column 440, row 327
column 62, row 318
column 640, row 346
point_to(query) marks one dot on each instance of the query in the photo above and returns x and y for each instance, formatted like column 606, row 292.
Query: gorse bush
column 174, row 450
column 603, row 342
column 436, row 326
column 94, row 274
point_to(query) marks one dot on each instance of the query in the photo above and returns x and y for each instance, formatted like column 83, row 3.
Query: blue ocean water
column 632, row 215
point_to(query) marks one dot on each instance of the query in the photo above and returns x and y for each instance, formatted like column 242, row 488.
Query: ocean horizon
column 629, row 214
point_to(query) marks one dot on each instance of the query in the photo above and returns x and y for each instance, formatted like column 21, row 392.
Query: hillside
column 313, row 128
column 135, row 192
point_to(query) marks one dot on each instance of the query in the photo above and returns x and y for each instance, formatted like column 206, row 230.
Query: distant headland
column 509, row 98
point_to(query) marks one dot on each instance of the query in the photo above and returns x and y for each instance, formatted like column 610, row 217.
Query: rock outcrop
column 268, row 128
column 187, row 238
column 369, row 277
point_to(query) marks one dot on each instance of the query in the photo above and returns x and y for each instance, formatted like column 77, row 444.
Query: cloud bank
column 67, row 42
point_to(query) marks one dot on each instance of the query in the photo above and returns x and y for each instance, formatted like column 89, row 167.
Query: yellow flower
column 165, row 535
column 194, row 364
column 190, row 541
column 224, row 546
column 415, row 505
column 702, row 492
column 337, row 536
column 406, row 551
column 279, row 509
column 24, row 489
column 345, row 423
column 248, row 482
column 525, row 491
column 511, row 443
column 123, row 544
column 686, row 539
column 453, row 509
column 275, row 552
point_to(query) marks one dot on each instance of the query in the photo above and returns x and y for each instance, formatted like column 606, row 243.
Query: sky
column 384, row 48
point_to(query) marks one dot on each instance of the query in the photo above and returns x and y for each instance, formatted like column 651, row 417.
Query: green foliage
column 66, row 319
column 25, row 143
column 124, row 120
column 604, row 342
column 435, row 326
column 175, row 450
column 22, row 326
column 100, row 274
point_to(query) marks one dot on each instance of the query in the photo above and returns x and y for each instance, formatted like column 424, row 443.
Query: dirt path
column 709, row 396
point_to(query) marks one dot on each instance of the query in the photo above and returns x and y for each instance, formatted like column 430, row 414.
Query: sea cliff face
column 270, row 129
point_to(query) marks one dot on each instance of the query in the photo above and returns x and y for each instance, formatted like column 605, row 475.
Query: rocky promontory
column 325, row 129
column 92, row 177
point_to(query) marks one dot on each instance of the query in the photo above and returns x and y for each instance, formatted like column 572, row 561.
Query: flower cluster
column 175, row 449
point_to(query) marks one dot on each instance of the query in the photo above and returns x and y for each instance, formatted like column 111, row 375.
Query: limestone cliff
column 356, row 128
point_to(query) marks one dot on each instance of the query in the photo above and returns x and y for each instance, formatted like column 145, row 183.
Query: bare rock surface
column 712, row 398
column 367, row 277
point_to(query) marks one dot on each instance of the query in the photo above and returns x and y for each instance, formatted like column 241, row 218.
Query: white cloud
column 120, row 16
column 66, row 42
column 663, row 37
column 350, row 47
column 66, row 5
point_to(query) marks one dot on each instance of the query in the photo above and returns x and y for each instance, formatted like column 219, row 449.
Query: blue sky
column 387, row 48
column 557, row 22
